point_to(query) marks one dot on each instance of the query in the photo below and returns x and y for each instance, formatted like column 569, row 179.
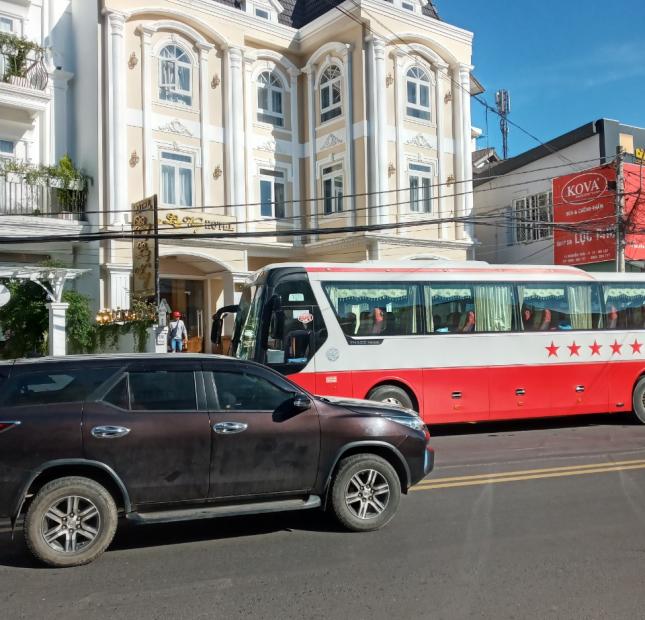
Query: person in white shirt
column 177, row 333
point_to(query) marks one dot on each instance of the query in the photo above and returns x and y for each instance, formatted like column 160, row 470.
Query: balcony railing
column 19, row 197
column 22, row 62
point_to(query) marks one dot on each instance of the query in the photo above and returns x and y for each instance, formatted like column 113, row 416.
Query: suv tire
column 70, row 522
column 391, row 394
column 365, row 492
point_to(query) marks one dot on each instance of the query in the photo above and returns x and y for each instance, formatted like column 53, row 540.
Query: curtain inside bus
column 376, row 308
column 494, row 308
column 625, row 306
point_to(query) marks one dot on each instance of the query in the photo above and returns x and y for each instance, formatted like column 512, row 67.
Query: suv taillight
column 5, row 426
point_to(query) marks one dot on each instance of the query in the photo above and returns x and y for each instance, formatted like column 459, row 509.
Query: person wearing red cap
column 177, row 333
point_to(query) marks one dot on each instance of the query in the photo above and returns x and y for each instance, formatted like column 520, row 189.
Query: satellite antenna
column 503, row 100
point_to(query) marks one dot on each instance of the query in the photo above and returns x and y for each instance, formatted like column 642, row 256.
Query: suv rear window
column 53, row 386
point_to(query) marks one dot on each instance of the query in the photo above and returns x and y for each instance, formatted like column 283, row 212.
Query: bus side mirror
column 218, row 321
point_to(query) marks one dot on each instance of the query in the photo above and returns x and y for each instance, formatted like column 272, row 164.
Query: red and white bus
column 456, row 342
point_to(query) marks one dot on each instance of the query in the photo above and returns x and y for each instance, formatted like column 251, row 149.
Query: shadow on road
column 16, row 555
column 508, row 426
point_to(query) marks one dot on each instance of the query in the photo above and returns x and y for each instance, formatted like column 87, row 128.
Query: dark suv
column 84, row 440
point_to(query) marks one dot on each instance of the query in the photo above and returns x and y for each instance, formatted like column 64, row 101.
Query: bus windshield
column 248, row 322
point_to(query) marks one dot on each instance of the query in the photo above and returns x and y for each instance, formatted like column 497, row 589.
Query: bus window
column 248, row 321
column 494, row 307
column 624, row 306
column 450, row 308
column 296, row 328
column 376, row 308
column 554, row 306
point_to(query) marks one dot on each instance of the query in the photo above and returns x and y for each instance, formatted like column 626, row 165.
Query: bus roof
column 471, row 270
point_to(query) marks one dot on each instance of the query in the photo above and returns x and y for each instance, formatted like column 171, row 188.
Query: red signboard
column 634, row 175
column 584, row 214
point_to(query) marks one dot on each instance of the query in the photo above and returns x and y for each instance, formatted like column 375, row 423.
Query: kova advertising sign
column 584, row 212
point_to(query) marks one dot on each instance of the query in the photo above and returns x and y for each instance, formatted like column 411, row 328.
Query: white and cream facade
column 241, row 123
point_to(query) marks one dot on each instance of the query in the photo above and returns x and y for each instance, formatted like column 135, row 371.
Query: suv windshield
column 247, row 322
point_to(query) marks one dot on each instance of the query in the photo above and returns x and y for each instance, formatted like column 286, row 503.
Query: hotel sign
column 145, row 250
column 196, row 221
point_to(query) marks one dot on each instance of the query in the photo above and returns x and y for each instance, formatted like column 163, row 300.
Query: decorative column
column 440, row 71
column 373, row 131
column 464, row 74
column 295, row 154
column 251, row 212
column 57, row 326
column 227, row 122
column 237, row 132
column 348, row 61
column 458, row 135
column 61, row 80
column 204, row 124
column 399, row 101
column 311, row 115
column 119, row 136
column 146, row 98
column 381, row 138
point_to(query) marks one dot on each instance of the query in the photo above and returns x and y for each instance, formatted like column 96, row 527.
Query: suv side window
column 244, row 391
column 163, row 390
column 56, row 386
column 119, row 395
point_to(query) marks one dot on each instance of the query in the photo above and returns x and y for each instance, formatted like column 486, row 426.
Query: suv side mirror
column 301, row 402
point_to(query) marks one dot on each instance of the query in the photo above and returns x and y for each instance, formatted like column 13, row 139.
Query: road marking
column 528, row 474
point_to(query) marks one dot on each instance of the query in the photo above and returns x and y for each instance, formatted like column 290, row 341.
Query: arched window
column 175, row 75
column 330, row 93
column 270, row 96
column 418, row 86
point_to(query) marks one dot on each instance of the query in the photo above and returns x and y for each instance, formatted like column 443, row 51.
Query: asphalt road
column 530, row 520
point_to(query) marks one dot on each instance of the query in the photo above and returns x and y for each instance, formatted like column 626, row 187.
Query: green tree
column 24, row 320
column 81, row 329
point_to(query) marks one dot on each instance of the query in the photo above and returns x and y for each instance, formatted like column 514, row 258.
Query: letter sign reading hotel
column 584, row 203
column 145, row 255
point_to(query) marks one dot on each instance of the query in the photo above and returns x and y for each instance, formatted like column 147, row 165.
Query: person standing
column 177, row 333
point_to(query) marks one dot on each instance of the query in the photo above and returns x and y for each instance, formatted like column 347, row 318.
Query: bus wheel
column 392, row 395
column 638, row 401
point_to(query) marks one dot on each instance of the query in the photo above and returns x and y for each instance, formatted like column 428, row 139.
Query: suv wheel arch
column 95, row 470
column 379, row 448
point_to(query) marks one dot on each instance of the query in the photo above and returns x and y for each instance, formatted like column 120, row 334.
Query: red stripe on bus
column 480, row 393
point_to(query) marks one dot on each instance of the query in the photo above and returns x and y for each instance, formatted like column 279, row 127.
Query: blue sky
column 565, row 62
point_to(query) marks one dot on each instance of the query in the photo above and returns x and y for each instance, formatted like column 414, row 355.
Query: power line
column 478, row 178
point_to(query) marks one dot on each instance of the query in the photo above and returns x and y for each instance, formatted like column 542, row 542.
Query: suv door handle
column 229, row 428
column 109, row 432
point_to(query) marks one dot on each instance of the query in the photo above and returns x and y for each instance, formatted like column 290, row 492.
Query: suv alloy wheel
column 70, row 522
column 365, row 492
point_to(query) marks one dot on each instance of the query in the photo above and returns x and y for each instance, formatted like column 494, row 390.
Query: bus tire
column 392, row 395
column 638, row 401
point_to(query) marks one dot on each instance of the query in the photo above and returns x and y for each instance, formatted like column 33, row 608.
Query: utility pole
column 620, row 210
column 503, row 100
